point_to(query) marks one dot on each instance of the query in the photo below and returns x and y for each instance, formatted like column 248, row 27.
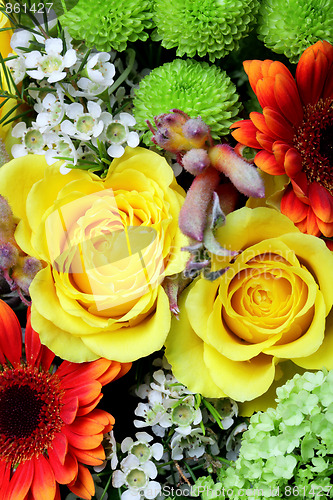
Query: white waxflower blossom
column 32, row 140
column 21, row 40
column 60, row 145
column 226, row 408
column 141, row 449
column 136, row 477
column 17, row 67
column 184, row 415
column 50, row 111
column 194, row 444
column 116, row 132
column 52, row 64
column 233, row 443
column 99, row 69
column 85, row 126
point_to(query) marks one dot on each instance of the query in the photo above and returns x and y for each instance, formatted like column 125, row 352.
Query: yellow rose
column 271, row 305
column 106, row 244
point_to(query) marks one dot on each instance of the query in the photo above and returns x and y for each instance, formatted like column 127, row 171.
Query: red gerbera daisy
column 49, row 426
column 294, row 133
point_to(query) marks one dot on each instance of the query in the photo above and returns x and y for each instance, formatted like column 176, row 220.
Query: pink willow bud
column 7, row 225
column 193, row 214
column 244, row 176
column 196, row 161
column 8, row 255
column 24, row 273
column 177, row 132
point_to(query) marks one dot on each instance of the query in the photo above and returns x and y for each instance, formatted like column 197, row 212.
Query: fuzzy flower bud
column 196, row 161
column 8, row 255
column 6, row 219
column 196, row 131
column 25, row 271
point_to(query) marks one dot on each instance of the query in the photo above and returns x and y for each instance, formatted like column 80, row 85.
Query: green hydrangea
column 212, row 27
column 196, row 88
column 288, row 451
column 109, row 25
column 290, row 26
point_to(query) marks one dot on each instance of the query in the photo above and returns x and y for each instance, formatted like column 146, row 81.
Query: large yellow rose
column 271, row 305
column 106, row 244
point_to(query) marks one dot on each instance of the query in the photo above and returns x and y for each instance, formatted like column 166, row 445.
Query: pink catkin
column 193, row 215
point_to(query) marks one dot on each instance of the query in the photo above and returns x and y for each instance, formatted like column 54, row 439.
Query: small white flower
column 85, row 126
column 21, row 38
column 59, row 145
column 17, row 68
column 50, row 111
column 99, row 70
column 136, row 477
column 52, row 64
column 110, row 447
column 32, row 140
column 117, row 133
column 141, row 449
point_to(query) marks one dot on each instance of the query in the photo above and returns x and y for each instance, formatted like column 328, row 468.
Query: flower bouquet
column 166, row 265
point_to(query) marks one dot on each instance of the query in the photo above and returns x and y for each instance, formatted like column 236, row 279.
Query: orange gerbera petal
column 312, row 70
column 10, row 335
column 83, row 442
column 301, row 187
column 292, row 207
column 258, row 120
column 265, row 141
column 108, row 376
column 83, row 486
column 66, row 472
column 87, row 425
column 292, row 163
column 265, row 92
column 84, row 409
column 266, row 162
column 68, row 411
column 287, row 98
column 278, row 124
column 20, row 484
column 36, row 353
column 60, row 446
column 321, row 202
column 90, row 457
column 279, row 149
column 326, row 228
column 84, row 393
column 312, row 223
column 256, row 70
column 245, row 133
column 43, row 484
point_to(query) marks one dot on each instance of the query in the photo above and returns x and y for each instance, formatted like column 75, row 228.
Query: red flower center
column 30, row 404
column 313, row 141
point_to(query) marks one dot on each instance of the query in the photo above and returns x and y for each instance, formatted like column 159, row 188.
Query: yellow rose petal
column 184, row 351
column 199, row 305
column 62, row 343
column 130, row 343
column 230, row 345
column 240, row 380
column 311, row 339
column 322, row 357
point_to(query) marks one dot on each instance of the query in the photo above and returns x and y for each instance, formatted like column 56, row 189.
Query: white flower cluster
column 171, row 406
column 64, row 127
column 137, row 469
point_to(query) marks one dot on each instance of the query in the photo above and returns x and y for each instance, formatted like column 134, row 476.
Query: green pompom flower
column 196, row 88
column 109, row 25
column 290, row 26
column 212, row 27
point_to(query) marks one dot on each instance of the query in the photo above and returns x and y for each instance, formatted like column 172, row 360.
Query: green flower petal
column 196, row 88
column 211, row 27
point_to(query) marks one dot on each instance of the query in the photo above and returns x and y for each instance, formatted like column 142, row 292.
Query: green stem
column 106, row 487
column 125, row 74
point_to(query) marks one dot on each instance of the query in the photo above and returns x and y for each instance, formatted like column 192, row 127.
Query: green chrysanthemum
column 211, row 27
column 109, row 25
column 196, row 88
column 290, row 26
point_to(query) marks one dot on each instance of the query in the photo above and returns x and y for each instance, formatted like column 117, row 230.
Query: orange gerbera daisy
column 49, row 426
column 294, row 133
